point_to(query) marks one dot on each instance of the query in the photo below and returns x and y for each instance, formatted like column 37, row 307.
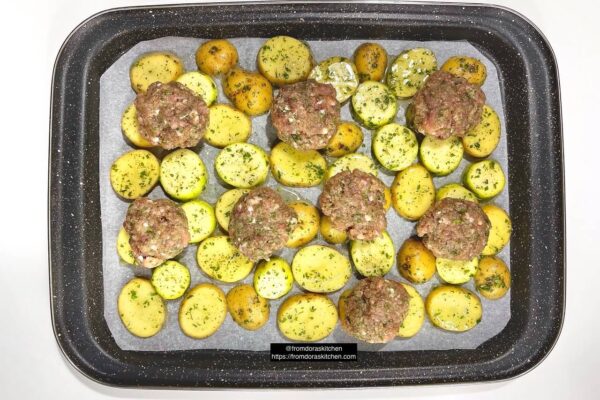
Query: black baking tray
column 529, row 83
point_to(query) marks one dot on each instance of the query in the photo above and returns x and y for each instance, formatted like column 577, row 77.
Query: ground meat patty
column 158, row 230
column 171, row 115
column 375, row 310
column 306, row 114
column 447, row 105
column 260, row 223
column 454, row 229
column 355, row 203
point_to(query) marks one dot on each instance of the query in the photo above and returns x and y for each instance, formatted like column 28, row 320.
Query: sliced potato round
column 202, row 311
column 321, row 269
column 297, row 168
column 456, row 272
column 483, row 139
column 371, row 62
column 373, row 257
column 225, row 205
column 201, row 84
column 342, row 304
column 131, row 128
column 395, row 146
column 347, row 139
column 455, row 191
column 201, row 219
column 374, row 105
column 416, row 263
column 307, row 227
column 485, row 178
column 339, row 72
column 247, row 308
column 500, row 230
column 171, row 279
column 284, row 60
column 218, row 258
column 215, row 57
column 441, row 156
column 412, row 323
column 154, row 67
column 307, row 317
column 350, row 162
column 329, row 233
column 453, row 308
column 226, row 126
column 409, row 70
column 387, row 194
column 493, row 278
column 141, row 309
column 249, row 92
column 470, row 68
column 134, row 174
column 242, row 165
column 413, row 192
column 124, row 248
column 183, row 175
column 273, row 278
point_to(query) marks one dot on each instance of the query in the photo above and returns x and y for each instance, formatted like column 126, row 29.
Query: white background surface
column 31, row 365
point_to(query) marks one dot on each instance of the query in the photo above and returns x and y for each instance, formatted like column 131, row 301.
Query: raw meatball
column 260, row 223
column 375, row 310
column 454, row 229
column 447, row 105
column 355, row 203
column 306, row 114
column 171, row 115
column 158, row 230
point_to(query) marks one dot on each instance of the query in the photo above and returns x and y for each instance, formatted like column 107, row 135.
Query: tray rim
column 68, row 349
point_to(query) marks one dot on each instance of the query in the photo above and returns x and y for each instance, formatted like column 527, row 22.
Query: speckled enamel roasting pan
column 529, row 81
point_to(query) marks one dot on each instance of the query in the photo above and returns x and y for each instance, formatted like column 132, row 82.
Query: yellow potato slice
column 453, row 308
column 321, row 269
column 307, row 317
column 219, row 259
column 141, row 309
column 134, row 174
column 307, row 226
column 413, row 192
column 415, row 317
column 297, row 168
column 202, row 311
column 154, row 67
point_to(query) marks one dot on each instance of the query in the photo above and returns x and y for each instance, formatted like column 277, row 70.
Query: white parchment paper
column 116, row 94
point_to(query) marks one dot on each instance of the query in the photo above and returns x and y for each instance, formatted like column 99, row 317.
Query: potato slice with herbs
column 350, row 162
column 183, row 175
column 413, row 192
column 216, row 57
column 201, row 84
column 201, row 219
column 273, row 278
column 124, row 248
column 202, row 311
column 373, row 257
column 226, row 126
column 415, row 317
column 395, row 146
column 470, row 68
column 242, row 165
column 154, row 67
column 453, row 308
column 347, row 139
column 409, row 70
column 284, row 60
column 131, row 128
column 134, row 174
column 225, row 205
column 250, row 92
column 483, row 139
column 371, row 62
column 307, row 317
column 456, row 272
column 455, row 191
column 218, row 258
column 307, row 227
column 500, row 230
column 247, row 308
column 374, row 105
column 493, row 278
column 485, row 178
column 171, row 279
column 141, row 309
column 329, row 233
column 416, row 263
column 441, row 156
column 339, row 72
column 297, row 168
column 321, row 269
